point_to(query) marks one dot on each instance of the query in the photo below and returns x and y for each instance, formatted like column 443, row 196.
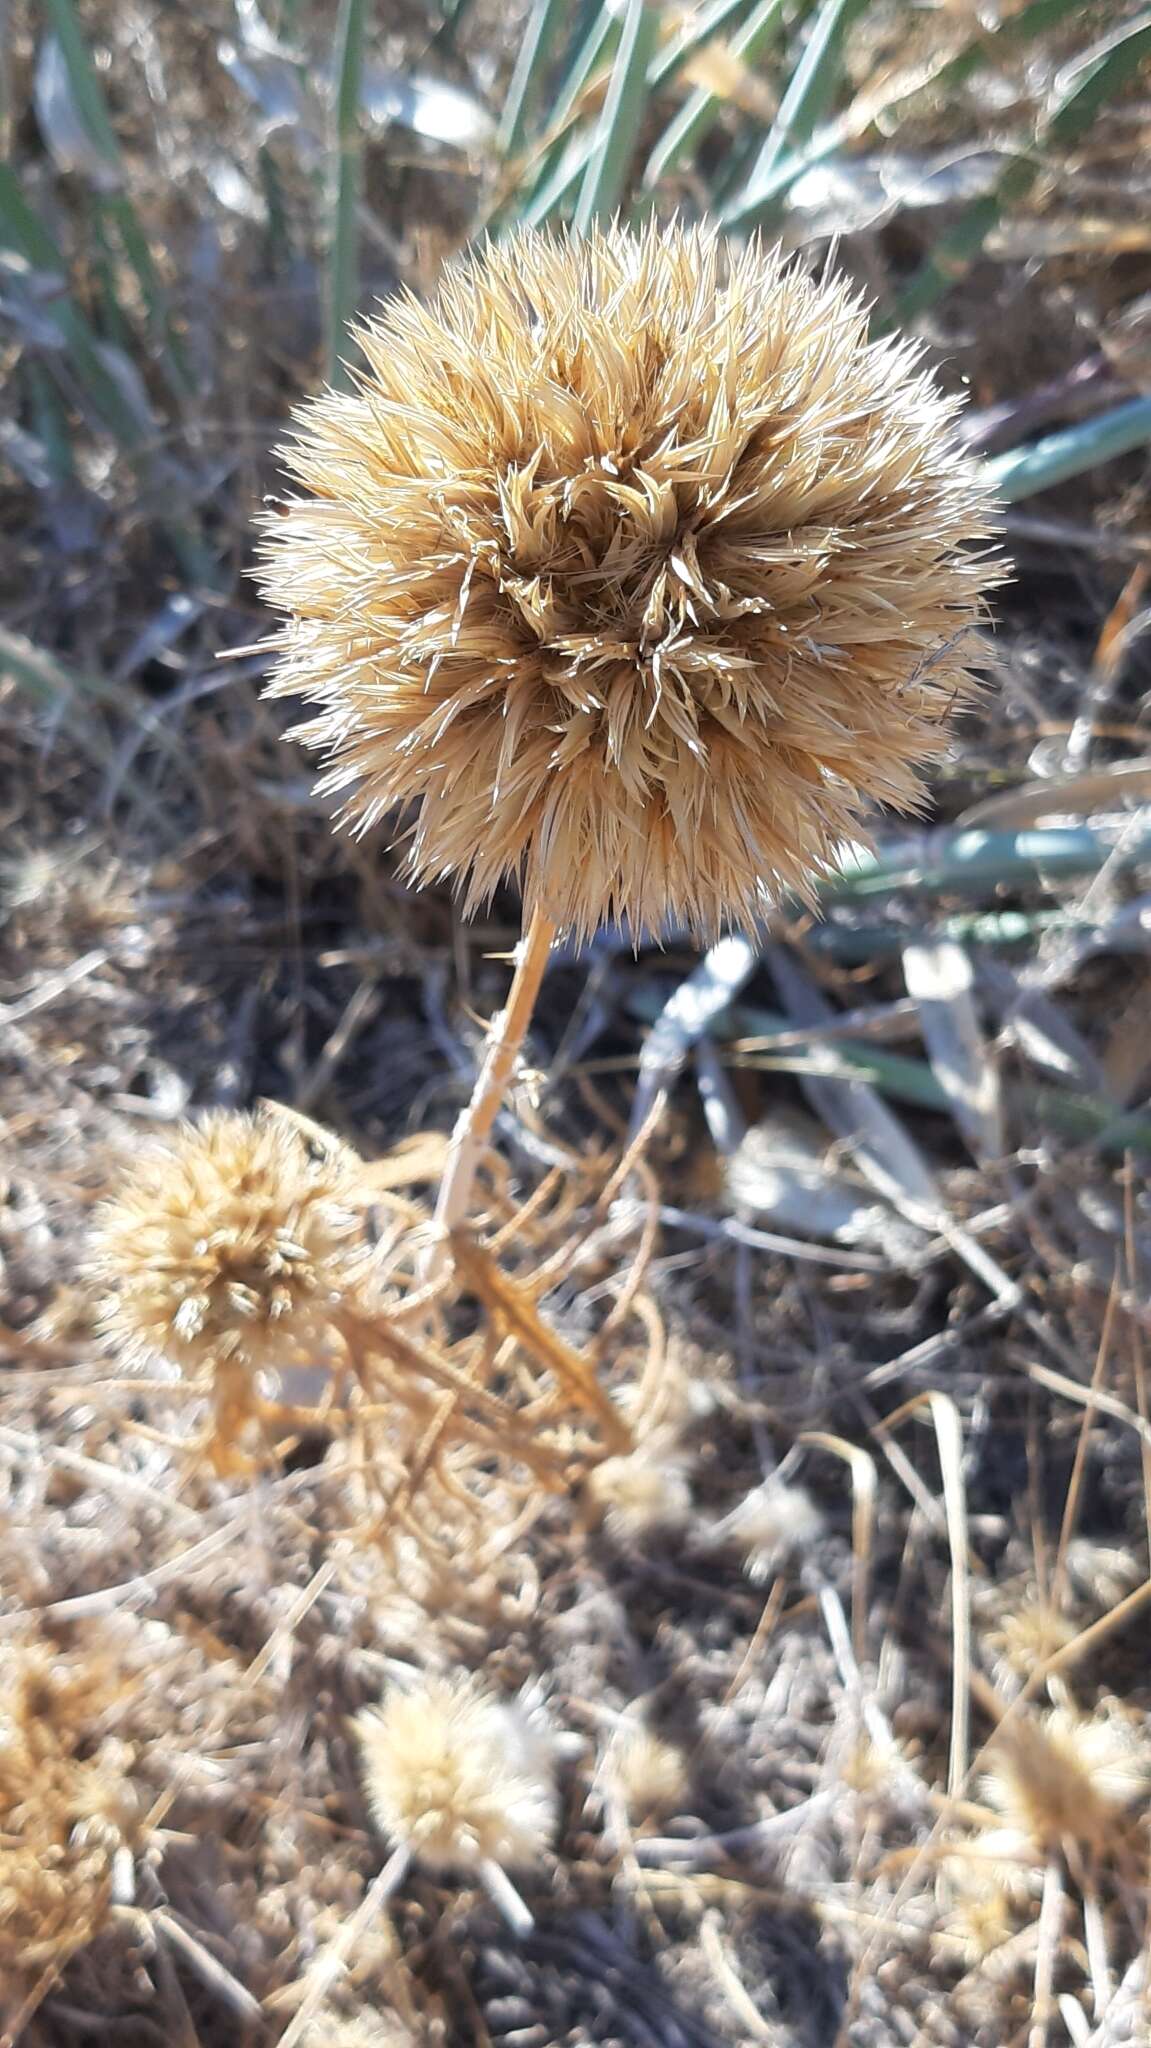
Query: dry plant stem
column 505, row 1037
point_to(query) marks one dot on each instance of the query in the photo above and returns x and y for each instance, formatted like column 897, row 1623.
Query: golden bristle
column 228, row 1243
column 635, row 568
column 1027, row 1633
column 457, row 1776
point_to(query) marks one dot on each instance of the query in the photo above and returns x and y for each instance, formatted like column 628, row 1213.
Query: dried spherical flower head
column 67, row 1808
column 641, row 1490
column 228, row 1243
column 460, row 1778
column 1066, row 1779
column 633, row 566
column 770, row 1524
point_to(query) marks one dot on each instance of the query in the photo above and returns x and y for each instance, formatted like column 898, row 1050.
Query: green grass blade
column 343, row 259
column 547, row 184
column 1070, row 451
column 903, row 1079
column 1013, row 31
column 564, row 165
column 596, row 48
column 23, row 232
column 970, row 862
column 527, row 78
column 21, row 229
column 50, row 421
column 701, row 110
column 804, row 105
column 1085, row 87
column 87, row 91
column 91, row 107
column 698, row 30
column 828, row 140
column 562, row 182
column 622, row 117
column 1080, row 92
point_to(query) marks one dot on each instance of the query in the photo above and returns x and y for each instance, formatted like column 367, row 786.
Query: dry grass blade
column 886, row 1154
column 949, row 1437
column 1110, row 788
column 863, row 1498
column 940, row 978
column 331, row 1965
column 687, row 1015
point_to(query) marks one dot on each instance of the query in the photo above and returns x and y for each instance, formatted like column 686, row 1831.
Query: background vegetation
column 894, row 1231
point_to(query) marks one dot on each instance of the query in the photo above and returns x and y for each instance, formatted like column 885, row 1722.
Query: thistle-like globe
column 229, row 1243
column 630, row 570
column 459, row 1776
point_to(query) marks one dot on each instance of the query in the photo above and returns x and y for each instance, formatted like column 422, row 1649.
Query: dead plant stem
column 505, row 1037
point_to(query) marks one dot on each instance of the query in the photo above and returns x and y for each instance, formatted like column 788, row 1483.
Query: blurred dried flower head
column 66, row 1806
column 649, row 1773
column 228, row 1243
column 987, row 1892
column 458, row 1776
column 1065, row 1780
column 641, row 1490
column 1025, row 1631
column 635, row 568
column 770, row 1523
column 365, row 2030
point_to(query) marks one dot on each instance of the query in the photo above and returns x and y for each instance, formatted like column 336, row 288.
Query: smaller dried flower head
column 649, row 1773
column 228, row 1244
column 987, row 1894
column 769, row 1525
column 66, row 1805
column 1025, row 1633
column 641, row 1490
column 1065, row 1779
column 458, row 1776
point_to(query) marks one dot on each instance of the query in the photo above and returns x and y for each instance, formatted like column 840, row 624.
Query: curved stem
column 505, row 1037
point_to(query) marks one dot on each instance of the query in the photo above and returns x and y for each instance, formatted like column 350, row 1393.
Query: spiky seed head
column 1063, row 1777
column 228, row 1243
column 633, row 567
column 641, row 1490
column 459, row 1776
